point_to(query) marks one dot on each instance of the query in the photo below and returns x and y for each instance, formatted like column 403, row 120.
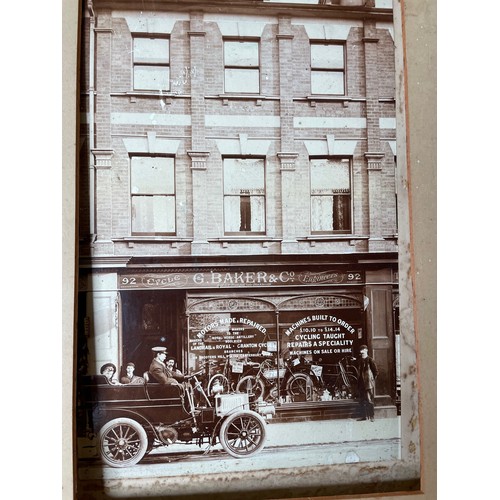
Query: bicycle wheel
column 215, row 384
column 252, row 386
column 300, row 385
column 346, row 388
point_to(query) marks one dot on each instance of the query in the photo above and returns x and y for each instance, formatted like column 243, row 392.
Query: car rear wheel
column 122, row 442
column 242, row 434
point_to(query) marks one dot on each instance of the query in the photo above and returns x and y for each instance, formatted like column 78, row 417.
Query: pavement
column 296, row 454
column 331, row 431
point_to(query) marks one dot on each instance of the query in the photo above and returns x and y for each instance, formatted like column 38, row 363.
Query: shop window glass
column 152, row 181
column 241, row 66
column 327, row 68
column 244, row 196
column 151, row 60
column 330, row 195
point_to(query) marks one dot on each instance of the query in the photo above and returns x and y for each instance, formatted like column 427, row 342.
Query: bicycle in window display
column 336, row 381
column 261, row 380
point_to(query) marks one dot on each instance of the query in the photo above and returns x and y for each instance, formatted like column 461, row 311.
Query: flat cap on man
column 363, row 348
column 131, row 364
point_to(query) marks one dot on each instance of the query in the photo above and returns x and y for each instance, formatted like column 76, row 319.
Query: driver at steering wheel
column 165, row 372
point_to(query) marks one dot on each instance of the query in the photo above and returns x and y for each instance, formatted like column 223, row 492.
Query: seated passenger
column 159, row 370
column 174, row 372
column 109, row 370
column 131, row 378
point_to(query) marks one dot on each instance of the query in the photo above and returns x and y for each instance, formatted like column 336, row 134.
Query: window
column 330, row 196
column 244, row 198
column 327, row 68
column 152, row 188
column 151, row 57
column 241, row 66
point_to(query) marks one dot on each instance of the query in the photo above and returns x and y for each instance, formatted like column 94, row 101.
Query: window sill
column 327, row 97
column 150, row 93
column 132, row 240
column 264, row 240
column 332, row 237
column 321, row 238
column 239, row 97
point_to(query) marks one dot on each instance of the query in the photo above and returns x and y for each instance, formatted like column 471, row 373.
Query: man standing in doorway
column 368, row 372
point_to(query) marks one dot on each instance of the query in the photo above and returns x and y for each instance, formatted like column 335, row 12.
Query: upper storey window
column 152, row 190
column 244, row 196
column 241, row 66
column 151, row 58
column 328, row 68
column 330, row 195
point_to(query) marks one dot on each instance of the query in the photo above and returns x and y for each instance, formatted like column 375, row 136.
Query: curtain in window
column 342, row 213
column 232, row 214
column 322, row 213
column 257, row 213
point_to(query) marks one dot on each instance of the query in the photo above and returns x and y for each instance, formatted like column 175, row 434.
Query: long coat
column 368, row 372
column 162, row 374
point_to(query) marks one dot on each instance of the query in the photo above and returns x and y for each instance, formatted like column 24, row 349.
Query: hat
column 159, row 349
column 363, row 347
column 106, row 366
column 131, row 364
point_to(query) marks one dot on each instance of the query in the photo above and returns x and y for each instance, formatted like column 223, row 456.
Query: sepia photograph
column 244, row 323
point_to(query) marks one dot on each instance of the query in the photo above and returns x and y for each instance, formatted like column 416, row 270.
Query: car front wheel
column 122, row 442
column 243, row 434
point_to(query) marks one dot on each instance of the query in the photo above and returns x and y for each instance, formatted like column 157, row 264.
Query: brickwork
column 196, row 113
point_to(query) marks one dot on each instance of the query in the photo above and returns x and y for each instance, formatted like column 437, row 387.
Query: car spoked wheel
column 243, row 434
column 122, row 442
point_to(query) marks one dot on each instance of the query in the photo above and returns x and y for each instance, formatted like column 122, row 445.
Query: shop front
column 286, row 332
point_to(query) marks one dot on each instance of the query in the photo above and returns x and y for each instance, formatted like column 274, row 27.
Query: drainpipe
column 91, row 119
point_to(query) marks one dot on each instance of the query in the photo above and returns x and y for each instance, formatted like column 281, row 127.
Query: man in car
column 131, row 378
column 159, row 370
column 173, row 371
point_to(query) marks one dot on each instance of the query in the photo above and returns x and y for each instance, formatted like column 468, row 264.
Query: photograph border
column 418, row 425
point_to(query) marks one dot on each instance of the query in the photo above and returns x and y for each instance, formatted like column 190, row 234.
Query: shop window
column 330, row 195
column 327, row 68
column 241, row 66
column 244, row 195
column 151, row 61
column 152, row 186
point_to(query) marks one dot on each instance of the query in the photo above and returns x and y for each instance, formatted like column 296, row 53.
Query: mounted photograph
column 245, row 317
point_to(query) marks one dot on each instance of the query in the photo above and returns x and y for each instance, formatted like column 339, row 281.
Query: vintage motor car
column 131, row 420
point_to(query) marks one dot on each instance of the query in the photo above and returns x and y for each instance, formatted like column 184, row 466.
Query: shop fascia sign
column 239, row 278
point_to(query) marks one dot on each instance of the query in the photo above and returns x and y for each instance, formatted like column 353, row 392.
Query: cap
column 106, row 366
column 363, row 347
column 131, row 364
column 159, row 349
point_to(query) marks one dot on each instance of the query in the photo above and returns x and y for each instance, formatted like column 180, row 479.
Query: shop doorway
column 151, row 318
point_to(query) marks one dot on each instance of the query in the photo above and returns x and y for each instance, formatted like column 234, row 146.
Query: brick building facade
column 238, row 169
